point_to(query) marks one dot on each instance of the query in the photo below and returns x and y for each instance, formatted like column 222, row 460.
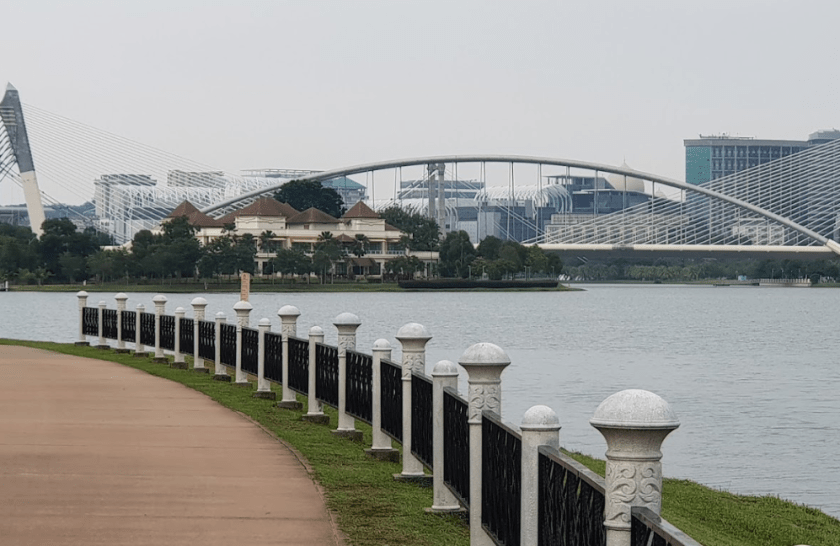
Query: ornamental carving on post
column 487, row 396
column 630, row 484
column 412, row 362
column 289, row 330
column 346, row 342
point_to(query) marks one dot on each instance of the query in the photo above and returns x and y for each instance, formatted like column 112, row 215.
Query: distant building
column 206, row 179
column 712, row 157
column 351, row 192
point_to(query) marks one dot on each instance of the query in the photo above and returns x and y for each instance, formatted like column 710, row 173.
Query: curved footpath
column 92, row 453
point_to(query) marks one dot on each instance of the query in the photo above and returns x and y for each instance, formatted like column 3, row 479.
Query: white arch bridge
column 790, row 205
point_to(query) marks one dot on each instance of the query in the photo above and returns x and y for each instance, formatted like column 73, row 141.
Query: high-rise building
column 712, row 157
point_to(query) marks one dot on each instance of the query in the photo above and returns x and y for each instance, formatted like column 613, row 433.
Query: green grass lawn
column 373, row 509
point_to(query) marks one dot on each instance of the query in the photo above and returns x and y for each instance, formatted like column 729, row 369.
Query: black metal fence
column 207, row 339
column 421, row 418
column 128, row 325
column 326, row 374
column 648, row 529
column 90, row 321
column 501, row 480
column 390, row 399
column 167, row 332
column 571, row 507
column 456, row 445
column 360, row 386
column 250, row 350
column 227, row 338
column 109, row 323
column 186, row 336
column 299, row 365
column 273, row 357
column 147, row 329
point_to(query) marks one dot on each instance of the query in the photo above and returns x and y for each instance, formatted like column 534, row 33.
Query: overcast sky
column 317, row 84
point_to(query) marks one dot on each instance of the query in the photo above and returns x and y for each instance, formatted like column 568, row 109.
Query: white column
column 139, row 348
column 315, row 411
column 243, row 311
column 83, row 296
column 540, row 427
column 444, row 374
column 346, row 324
column 100, row 312
column 160, row 309
column 221, row 370
column 634, row 423
column 179, row 362
column 288, row 327
column 263, row 386
column 413, row 338
column 121, row 299
column 484, row 363
column 380, row 440
column 198, row 305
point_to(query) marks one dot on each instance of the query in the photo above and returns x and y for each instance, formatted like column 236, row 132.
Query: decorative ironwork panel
column 456, row 445
column 390, row 399
column 109, row 323
column 421, row 418
column 648, row 529
column 207, row 339
column 274, row 357
column 187, row 336
column 326, row 374
column 501, row 480
column 147, row 329
column 360, row 386
column 571, row 502
column 90, row 321
column 167, row 332
column 227, row 337
column 250, row 350
column 299, row 365
column 129, row 325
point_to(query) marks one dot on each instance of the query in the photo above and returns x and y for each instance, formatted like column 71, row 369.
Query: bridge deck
column 93, row 453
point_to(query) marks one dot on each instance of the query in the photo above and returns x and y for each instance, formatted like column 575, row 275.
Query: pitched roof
column 267, row 206
column 360, row 210
column 342, row 183
column 312, row 216
column 389, row 227
column 194, row 216
column 344, row 238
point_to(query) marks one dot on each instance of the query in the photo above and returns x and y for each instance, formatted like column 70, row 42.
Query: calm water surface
column 752, row 373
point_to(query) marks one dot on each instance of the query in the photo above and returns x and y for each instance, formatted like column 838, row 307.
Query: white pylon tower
column 17, row 142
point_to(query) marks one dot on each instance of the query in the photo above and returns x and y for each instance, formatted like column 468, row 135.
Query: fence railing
column 519, row 488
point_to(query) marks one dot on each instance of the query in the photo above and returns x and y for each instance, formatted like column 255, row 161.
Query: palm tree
column 267, row 242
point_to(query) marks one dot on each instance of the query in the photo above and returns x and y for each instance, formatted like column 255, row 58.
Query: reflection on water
column 751, row 372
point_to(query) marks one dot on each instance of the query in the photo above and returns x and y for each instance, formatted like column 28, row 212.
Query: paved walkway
column 93, row 453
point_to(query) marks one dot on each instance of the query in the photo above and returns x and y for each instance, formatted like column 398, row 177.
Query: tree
column 456, row 255
column 292, row 261
column 404, row 267
column 423, row 233
column 327, row 251
column 489, row 247
column 304, row 194
column 361, row 245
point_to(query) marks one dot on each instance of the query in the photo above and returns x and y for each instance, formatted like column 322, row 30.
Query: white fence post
column 288, row 327
column 121, row 299
column 263, row 386
column 346, row 324
column 101, row 344
column 139, row 348
column 160, row 309
column 315, row 411
column 413, row 338
column 540, row 427
column 381, row 447
column 484, row 363
column 444, row 374
column 220, row 373
column 179, row 361
column 83, row 296
column 634, row 423
column 198, row 305
column 243, row 312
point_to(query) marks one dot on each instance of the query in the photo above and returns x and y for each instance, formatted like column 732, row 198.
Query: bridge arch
column 520, row 159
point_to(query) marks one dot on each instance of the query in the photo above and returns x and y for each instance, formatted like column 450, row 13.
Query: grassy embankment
column 373, row 509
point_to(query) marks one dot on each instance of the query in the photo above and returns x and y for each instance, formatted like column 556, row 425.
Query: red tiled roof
column 267, row 206
column 194, row 216
column 312, row 216
column 360, row 210
column 389, row 227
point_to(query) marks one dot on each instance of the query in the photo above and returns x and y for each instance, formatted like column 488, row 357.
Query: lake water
column 752, row 373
